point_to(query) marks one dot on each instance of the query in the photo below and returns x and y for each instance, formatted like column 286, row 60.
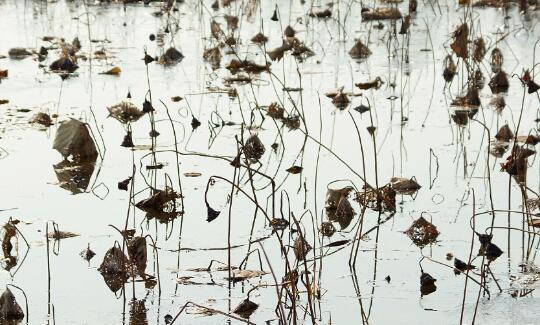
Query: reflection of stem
column 469, row 261
column 48, row 274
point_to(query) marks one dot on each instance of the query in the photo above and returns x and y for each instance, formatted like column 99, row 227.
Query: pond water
column 404, row 125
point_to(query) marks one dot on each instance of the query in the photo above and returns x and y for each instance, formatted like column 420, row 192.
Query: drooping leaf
column 87, row 253
column 460, row 43
column 294, row 170
column 9, row 308
column 211, row 213
column 301, row 248
column 74, row 139
column 460, row 266
column 138, row 254
column 114, row 263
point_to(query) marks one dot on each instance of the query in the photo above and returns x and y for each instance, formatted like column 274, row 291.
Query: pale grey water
column 78, row 292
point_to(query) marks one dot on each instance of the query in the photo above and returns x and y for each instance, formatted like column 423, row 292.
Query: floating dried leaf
column 327, row 229
column 18, row 53
column 422, row 232
column 115, row 71
column 42, row 119
column 381, row 13
column 171, row 56
column 87, row 253
column 359, row 51
column 405, row 185
column 125, row 112
column 504, row 133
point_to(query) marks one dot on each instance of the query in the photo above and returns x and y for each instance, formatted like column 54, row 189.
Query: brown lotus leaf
column 497, row 60
column 301, row 248
column 9, row 308
column 294, row 170
column 254, row 148
column 161, row 200
column 171, row 56
column 470, row 100
column 460, row 43
column 289, row 31
column 115, row 262
column 275, row 111
column 504, row 133
column 499, row 83
column 405, row 185
column 125, row 112
column 326, row 13
column 245, row 308
column 259, row 38
column 137, row 253
column 232, row 22
column 370, row 84
column 42, row 119
column 449, row 68
column 359, row 51
column 422, row 232
column 382, row 199
column 381, row 13
column 479, row 49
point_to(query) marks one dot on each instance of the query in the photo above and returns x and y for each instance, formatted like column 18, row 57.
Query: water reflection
column 75, row 176
column 137, row 312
